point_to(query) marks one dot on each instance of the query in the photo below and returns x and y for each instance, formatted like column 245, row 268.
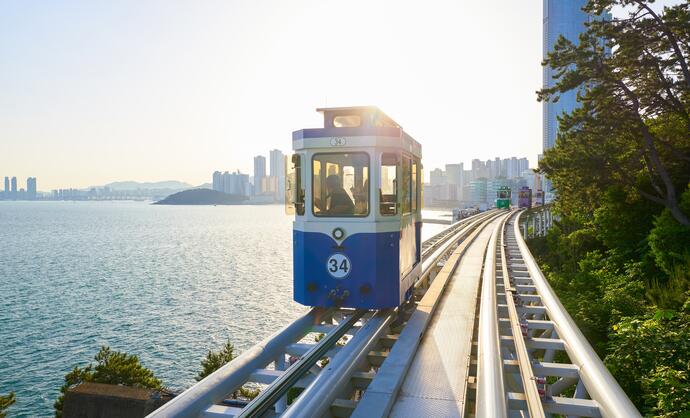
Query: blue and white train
column 354, row 187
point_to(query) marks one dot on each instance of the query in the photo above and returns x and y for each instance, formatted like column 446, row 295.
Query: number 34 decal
column 338, row 266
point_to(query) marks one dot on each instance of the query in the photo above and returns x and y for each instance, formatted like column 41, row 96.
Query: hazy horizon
column 151, row 91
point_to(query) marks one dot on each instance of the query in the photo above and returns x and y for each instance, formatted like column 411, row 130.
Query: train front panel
column 350, row 273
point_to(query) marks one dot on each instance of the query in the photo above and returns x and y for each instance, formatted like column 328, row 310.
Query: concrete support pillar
column 542, row 223
column 524, row 230
column 533, row 218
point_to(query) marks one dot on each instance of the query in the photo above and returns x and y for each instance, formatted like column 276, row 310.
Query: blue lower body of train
column 373, row 279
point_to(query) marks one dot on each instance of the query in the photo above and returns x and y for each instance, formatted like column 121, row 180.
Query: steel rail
column 213, row 389
column 277, row 389
column 534, row 403
column 491, row 399
column 443, row 247
column 598, row 381
column 322, row 392
column 444, row 235
column 319, row 396
column 379, row 397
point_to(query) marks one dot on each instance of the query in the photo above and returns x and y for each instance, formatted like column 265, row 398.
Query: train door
column 409, row 168
column 294, row 188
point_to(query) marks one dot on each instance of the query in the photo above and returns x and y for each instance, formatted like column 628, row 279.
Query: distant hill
column 201, row 197
column 157, row 185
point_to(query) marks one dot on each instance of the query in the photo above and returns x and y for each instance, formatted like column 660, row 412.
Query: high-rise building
column 568, row 19
column 477, row 191
column 454, row 174
column 277, row 160
column 235, row 183
column 218, row 181
column 438, row 183
column 7, row 188
column 31, row 188
column 259, row 173
column 13, row 190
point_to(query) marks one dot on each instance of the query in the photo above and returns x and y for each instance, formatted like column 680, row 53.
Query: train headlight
column 338, row 233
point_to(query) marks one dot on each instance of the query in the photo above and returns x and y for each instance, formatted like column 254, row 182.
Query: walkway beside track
column 436, row 383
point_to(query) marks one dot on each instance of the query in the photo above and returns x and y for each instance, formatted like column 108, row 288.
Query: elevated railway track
column 483, row 336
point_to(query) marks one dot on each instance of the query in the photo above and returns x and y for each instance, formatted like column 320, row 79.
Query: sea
column 166, row 283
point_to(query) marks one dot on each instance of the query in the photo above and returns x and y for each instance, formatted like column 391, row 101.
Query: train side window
column 420, row 184
column 388, row 192
column 340, row 184
column 294, row 190
column 406, row 186
column 413, row 191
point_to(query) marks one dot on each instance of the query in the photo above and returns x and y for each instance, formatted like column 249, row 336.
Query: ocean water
column 166, row 283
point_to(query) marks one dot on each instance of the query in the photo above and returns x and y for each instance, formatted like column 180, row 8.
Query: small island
column 202, row 197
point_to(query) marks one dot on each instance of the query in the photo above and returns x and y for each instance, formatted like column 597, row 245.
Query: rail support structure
column 593, row 378
column 537, row 221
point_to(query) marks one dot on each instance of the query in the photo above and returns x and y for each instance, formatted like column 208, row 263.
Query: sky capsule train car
column 355, row 189
column 525, row 197
column 539, row 198
column 503, row 197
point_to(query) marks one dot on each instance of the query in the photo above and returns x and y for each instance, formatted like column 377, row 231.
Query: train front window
column 388, row 193
column 340, row 184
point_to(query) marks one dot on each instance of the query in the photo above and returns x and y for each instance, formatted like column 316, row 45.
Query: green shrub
column 5, row 402
column 215, row 360
column 111, row 367
column 650, row 357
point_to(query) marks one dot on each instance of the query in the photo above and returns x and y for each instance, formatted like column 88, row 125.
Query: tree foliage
column 5, row 402
column 112, row 367
column 215, row 360
column 649, row 356
column 619, row 257
column 632, row 128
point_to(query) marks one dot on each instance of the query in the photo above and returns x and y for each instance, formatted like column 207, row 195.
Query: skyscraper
column 278, row 172
column 259, row 173
column 31, row 188
column 218, row 181
column 560, row 18
column 13, row 191
column 7, row 187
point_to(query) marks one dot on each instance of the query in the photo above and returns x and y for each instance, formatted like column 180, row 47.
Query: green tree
column 112, row 367
column 632, row 127
column 215, row 360
column 5, row 402
column 649, row 355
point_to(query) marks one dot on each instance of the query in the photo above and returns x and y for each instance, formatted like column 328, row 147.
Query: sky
column 98, row 91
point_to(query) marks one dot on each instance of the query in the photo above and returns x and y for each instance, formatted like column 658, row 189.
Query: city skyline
column 161, row 96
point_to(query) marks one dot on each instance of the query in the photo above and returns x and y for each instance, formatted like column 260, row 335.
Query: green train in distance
column 503, row 197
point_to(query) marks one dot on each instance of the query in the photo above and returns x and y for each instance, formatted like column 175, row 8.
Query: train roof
column 377, row 115
column 355, row 122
